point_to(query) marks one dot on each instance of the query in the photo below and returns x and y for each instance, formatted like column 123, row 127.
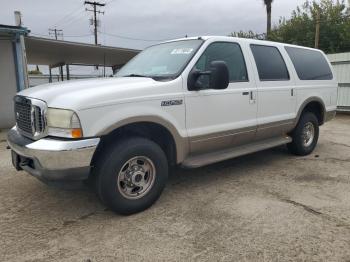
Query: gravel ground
column 268, row 206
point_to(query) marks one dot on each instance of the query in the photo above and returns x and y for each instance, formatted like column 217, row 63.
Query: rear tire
column 131, row 175
column 305, row 135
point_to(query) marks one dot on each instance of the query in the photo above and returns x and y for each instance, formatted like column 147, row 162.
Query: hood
column 88, row 93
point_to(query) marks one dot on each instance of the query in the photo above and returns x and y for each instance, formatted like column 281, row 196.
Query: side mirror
column 218, row 77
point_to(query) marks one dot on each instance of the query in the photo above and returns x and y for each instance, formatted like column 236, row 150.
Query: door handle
column 251, row 97
column 245, row 93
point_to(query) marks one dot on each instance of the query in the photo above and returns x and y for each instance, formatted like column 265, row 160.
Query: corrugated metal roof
column 44, row 51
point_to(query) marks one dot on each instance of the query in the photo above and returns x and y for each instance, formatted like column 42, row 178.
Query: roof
column 241, row 39
column 7, row 30
column 44, row 51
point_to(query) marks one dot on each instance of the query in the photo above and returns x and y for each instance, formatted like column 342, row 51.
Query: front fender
column 98, row 122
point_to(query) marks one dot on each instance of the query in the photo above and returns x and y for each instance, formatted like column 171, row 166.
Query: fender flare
column 308, row 101
column 181, row 143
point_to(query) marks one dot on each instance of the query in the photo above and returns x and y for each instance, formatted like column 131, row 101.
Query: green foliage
column 249, row 34
column 300, row 28
column 35, row 72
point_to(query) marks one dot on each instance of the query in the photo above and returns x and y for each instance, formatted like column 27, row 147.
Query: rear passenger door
column 276, row 94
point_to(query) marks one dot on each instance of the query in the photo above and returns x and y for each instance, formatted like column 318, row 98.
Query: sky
column 136, row 23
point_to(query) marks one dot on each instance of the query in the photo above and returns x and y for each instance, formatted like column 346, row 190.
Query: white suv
column 192, row 102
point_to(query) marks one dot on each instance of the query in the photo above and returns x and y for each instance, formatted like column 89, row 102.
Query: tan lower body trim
column 237, row 137
column 274, row 129
column 220, row 140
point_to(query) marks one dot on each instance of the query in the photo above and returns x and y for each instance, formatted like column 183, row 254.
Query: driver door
column 219, row 119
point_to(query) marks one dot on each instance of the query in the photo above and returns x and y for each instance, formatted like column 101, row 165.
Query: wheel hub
column 308, row 134
column 136, row 177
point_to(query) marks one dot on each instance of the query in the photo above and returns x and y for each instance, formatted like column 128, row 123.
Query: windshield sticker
column 157, row 70
column 181, row 51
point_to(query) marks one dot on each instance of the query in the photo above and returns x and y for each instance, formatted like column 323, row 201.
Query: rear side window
column 309, row 64
column 270, row 63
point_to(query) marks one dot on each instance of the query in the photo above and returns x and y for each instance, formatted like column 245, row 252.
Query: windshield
column 163, row 61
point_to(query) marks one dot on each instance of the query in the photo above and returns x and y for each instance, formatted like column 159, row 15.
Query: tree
column 35, row 72
column 300, row 28
column 249, row 34
column 268, row 4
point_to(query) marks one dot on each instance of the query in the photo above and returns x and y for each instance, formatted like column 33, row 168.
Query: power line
column 73, row 19
column 132, row 38
column 42, row 35
column 90, row 34
column 67, row 15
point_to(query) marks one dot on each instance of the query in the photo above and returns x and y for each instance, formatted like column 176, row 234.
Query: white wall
column 8, row 84
column 341, row 66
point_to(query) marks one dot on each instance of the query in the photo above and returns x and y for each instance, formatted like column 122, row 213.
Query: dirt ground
column 268, row 206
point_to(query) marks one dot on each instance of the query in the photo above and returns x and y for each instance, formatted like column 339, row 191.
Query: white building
column 341, row 66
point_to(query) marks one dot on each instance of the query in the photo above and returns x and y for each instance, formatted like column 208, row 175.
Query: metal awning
column 43, row 51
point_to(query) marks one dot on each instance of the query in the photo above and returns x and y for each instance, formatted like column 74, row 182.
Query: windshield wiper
column 135, row 75
column 154, row 77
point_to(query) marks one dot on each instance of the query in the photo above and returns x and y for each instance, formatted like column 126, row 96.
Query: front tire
column 131, row 175
column 305, row 135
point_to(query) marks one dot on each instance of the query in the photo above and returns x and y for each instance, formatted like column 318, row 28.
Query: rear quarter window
column 270, row 63
column 309, row 64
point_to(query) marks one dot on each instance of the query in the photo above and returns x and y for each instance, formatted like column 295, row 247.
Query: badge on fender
column 171, row 102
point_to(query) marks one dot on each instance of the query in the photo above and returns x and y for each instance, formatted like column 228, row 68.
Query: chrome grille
column 23, row 116
column 30, row 116
column 38, row 119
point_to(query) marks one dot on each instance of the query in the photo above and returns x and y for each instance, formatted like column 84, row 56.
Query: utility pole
column 56, row 32
column 21, row 57
column 95, row 11
column 317, row 33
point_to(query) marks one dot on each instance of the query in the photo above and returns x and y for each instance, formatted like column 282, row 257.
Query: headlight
column 63, row 123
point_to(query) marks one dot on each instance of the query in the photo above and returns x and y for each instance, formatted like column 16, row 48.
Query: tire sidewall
column 117, row 157
column 306, row 118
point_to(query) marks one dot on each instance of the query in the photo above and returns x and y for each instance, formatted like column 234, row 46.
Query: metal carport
column 57, row 53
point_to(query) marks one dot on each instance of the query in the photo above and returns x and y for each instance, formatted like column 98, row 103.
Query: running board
column 213, row 157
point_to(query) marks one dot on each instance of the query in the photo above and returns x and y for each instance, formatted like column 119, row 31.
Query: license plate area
column 16, row 160
column 20, row 161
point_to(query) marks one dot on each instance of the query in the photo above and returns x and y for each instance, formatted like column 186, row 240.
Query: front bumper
column 52, row 159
